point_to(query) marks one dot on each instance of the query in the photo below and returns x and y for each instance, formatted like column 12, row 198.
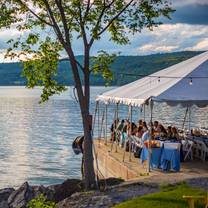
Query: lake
column 35, row 139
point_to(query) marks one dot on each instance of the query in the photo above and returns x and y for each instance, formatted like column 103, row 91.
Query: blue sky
column 188, row 30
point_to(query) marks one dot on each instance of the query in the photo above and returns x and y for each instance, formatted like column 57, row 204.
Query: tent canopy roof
column 184, row 83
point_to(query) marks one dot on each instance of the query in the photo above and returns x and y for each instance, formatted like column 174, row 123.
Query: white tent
column 185, row 83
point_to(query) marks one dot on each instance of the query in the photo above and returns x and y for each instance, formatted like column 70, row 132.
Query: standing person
column 145, row 135
column 113, row 129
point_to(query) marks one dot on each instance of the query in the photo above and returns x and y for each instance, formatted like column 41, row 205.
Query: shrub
column 41, row 202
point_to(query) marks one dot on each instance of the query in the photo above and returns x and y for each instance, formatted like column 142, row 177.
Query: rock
column 86, row 200
column 20, row 197
column 4, row 195
column 4, row 204
column 66, row 189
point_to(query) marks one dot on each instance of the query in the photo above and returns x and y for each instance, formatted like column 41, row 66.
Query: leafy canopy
column 50, row 26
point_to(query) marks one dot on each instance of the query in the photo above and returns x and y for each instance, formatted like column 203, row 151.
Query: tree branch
column 114, row 18
column 34, row 14
column 100, row 18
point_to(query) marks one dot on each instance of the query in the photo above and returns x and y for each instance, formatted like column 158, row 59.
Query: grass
column 169, row 197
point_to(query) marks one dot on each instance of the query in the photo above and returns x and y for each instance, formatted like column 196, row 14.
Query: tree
column 63, row 20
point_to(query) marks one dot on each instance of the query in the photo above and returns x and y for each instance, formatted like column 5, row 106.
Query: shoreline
column 71, row 193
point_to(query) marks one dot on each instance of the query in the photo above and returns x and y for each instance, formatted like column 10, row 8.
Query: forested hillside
column 10, row 73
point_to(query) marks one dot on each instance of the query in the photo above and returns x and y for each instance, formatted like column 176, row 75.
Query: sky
column 187, row 30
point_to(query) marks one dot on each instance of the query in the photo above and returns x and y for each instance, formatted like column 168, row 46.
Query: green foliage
column 169, row 196
column 101, row 63
column 41, row 202
column 67, row 20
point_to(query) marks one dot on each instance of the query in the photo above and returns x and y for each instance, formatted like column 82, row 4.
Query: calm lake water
column 35, row 140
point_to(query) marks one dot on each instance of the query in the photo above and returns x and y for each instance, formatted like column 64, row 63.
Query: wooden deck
column 110, row 164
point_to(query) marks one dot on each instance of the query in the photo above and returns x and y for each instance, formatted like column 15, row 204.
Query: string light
column 158, row 79
column 191, row 82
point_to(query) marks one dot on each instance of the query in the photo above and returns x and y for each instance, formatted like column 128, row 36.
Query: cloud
column 169, row 38
column 201, row 45
column 157, row 48
column 180, row 3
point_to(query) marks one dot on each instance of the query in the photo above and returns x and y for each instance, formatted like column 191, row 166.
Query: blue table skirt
column 170, row 159
column 163, row 158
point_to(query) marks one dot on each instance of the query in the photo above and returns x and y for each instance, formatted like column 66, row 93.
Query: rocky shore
column 70, row 193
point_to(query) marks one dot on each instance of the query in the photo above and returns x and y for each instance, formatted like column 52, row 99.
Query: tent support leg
column 101, row 127
column 116, row 129
column 151, row 135
column 98, row 109
column 130, row 133
column 124, row 153
column 184, row 120
column 106, row 123
column 189, row 119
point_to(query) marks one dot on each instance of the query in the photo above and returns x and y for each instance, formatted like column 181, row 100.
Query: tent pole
column 98, row 108
column 151, row 135
column 189, row 119
column 95, row 114
column 101, row 127
column 184, row 120
column 116, row 127
column 106, row 123
column 130, row 133
column 112, row 142
column 144, row 112
column 124, row 153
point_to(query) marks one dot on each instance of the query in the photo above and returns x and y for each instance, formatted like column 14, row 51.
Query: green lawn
column 168, row 197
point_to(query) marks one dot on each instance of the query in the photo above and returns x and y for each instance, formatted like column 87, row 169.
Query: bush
column 41, row 202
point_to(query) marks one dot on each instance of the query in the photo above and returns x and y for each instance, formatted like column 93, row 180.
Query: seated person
column 169, row 132
column 156, row 126
column 139, row 132
column 162, row 132
column 140, row 123
column 113, row 129
column 144, row 125
column 175, row 135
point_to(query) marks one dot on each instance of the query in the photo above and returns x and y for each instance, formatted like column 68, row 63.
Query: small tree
column 50, row 27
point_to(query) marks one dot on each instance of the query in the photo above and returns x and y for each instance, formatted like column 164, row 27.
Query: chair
column 202, row 150
column 188, row 149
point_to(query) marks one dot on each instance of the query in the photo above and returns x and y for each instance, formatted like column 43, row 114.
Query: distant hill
column 10, row 73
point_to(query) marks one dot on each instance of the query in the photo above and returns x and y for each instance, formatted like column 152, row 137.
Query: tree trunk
column 84, row 99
